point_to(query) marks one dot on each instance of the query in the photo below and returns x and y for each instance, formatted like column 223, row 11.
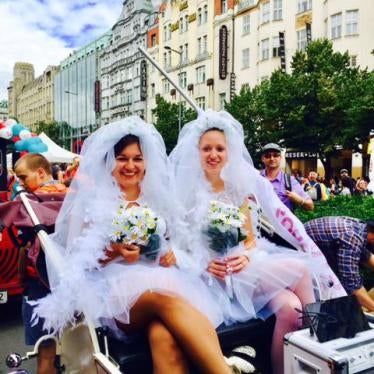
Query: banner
column 371, row 164
column 282, row 51
column 223, row 34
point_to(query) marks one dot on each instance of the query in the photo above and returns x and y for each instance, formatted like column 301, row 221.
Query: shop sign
column 97, row 97
column 300, row 154
column 143, row 80
column 223, row 52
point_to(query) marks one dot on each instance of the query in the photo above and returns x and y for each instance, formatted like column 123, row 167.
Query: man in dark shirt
column 347, row 243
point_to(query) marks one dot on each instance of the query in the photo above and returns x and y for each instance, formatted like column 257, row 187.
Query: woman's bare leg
column 182, row 320
column 167, row 356
column 287, row 320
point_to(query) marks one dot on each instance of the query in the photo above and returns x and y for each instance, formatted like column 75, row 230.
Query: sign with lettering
column 300, row 154
column 143, row 80
column 308, row 32
column 223, row 34
column 97, row 97
column 282, row 51
column 232, row 85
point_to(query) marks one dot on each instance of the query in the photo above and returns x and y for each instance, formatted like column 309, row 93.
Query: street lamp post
column 180, row 77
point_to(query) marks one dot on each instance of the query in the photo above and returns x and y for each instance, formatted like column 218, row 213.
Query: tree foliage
column 323, row 103
column 166, row 120
column 51, row 129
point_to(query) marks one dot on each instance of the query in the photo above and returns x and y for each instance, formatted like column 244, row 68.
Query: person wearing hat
column 285, row 186
column 348, row 244
column 346, row 181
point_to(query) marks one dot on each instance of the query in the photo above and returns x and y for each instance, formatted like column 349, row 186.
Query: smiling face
column 213, row 152
column 130, row 167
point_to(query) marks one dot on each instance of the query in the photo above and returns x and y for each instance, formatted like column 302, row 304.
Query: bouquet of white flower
column 224, row 231
column 225, row 227
column 137, row 225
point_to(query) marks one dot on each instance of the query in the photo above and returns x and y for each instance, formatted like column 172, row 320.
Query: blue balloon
column 17, row 128
column 37, row 148
column 20, row 145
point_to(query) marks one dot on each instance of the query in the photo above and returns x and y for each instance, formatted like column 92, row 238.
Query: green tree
column 51, row 129
column 322, row 104
column 166, row 120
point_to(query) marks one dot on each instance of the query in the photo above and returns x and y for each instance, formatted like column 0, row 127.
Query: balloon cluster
column 23, row 139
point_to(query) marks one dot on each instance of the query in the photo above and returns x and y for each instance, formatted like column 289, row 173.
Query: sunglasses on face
column 274, row 155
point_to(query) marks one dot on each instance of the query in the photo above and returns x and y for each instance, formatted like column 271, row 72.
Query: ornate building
column 23, row 73
column 35, row 101
column 123, row 74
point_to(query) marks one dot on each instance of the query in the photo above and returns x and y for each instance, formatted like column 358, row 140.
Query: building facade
column 23, row 73
column 183, row 46
column 77, row 93
column 3, row 110
column 35, row 102
column 122, row 70
column 349, row 25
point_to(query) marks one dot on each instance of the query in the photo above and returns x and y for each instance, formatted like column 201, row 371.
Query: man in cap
column 285, row 186
column 348, row 181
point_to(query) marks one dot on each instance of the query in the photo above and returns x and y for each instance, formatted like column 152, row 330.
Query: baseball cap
column 343, row 171
column 271, row 147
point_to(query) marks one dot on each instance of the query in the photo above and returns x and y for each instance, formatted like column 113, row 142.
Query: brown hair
column 34, row 161
column 127, row 140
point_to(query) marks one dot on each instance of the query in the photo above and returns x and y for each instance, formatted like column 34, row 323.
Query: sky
column 44, row 32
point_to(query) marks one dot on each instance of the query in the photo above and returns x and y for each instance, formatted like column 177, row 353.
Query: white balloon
column 25, row 134
column 10, row 122
column 6, row 133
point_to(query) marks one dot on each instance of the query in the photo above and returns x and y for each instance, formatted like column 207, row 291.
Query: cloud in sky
column 44, row 32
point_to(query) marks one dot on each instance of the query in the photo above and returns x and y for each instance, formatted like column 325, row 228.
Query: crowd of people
column 205, row 261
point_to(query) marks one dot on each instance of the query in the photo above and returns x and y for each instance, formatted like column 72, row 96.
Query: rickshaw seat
column 135, row 357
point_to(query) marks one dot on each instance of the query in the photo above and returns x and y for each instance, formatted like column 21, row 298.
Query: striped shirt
column 348, row 238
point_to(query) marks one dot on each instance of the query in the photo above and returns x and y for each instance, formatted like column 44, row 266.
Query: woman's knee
column 289, row 308
column 163, row 343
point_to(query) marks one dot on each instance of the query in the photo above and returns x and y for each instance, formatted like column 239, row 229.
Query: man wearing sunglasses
column 285, row 186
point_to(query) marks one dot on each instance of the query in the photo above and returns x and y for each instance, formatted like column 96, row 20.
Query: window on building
column 165, row 86
column 200, row 101
column 265, row 49
column 246, row 24
column 169, row 32
column 301, row 39
column 181, row 25
column 245, row 86
column 275, row 46
column 205, row 14
column 200, row 74
column 304, row 5
column 326, row 30
column 185, row 23
column 165, row 59
column 183, row 79
column 353, row 61
column 184, row 50
column 222, row 100
column 202, row 44
column 224, row 6
column 245, row 58
column 153, row 90
column 351, row 22
column 136, row 93
column 277, row 10
column 336, row 26
column 265, row 12
column 165, row 33
column 153, row 40
column 128, row 96
column 199, row 16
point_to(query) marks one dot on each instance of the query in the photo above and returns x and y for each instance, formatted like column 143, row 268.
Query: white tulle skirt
column 248, row 293
column 117, row 286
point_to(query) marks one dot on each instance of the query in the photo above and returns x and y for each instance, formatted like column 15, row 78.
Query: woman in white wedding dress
column 124, row 164
column 256, row 278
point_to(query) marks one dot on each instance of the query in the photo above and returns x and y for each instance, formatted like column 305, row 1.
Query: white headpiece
column 241, row 179
column 85, row 220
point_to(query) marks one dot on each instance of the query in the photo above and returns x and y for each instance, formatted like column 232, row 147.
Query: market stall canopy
column 56, row 153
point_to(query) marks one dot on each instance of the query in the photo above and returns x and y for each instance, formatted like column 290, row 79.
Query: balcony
column 245, row 4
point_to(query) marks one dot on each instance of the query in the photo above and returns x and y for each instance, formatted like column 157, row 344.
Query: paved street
column 11, row 335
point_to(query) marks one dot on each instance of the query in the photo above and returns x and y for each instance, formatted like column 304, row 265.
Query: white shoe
column 240, row 366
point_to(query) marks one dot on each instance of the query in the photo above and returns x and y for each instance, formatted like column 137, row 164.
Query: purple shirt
column 279, row 186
